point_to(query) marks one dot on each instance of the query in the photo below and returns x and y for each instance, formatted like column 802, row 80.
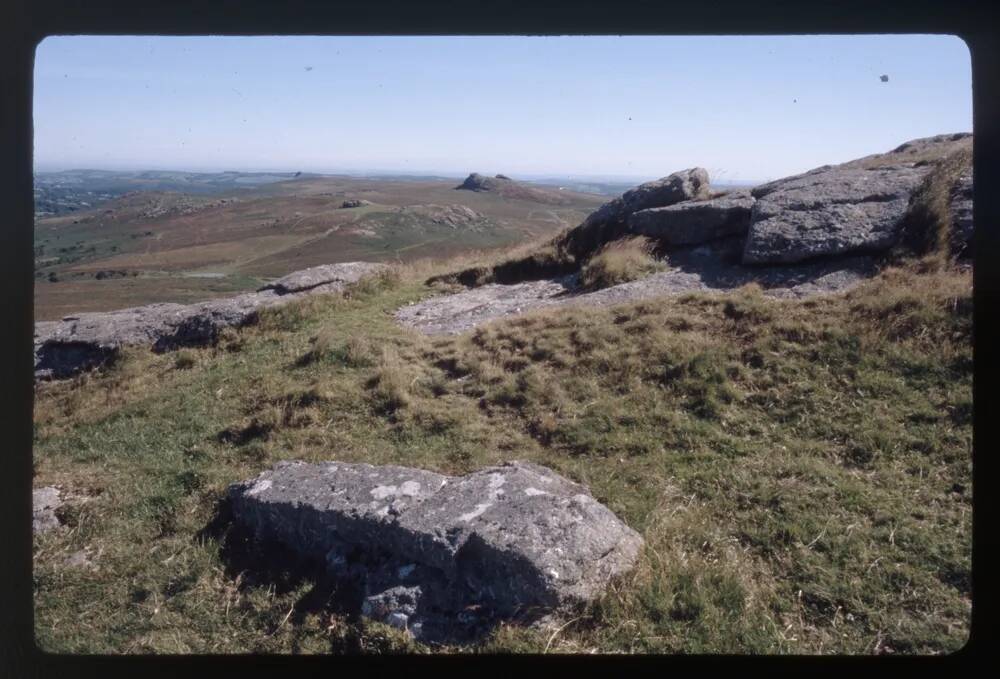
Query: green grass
column 800, row 470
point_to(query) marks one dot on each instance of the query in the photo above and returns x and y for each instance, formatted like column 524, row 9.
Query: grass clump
column 390, row 385
column 184, row 360
column 927, row 227
column 619, row 262
column 383, row 279
column 328, row 347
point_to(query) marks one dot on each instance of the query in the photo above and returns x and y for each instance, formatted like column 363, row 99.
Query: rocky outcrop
column 938, row 144
column 504, row 186
column 812, row 233
column 700, row 269
column 830, row 211
column 693, row 222
column 81, row 342
column 610, row 221
column 960, row 212
column 454, row 216
column 441, row 556
column 478, row 182
column 88, row 340
column 355, row 202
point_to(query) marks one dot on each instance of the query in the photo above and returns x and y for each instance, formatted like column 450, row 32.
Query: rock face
column 478, row 182
column 829, row 211
column 44, row 503
column 610, row 221
column 444, row 556
column 76, row 343
column 960, row 211
column 696, row 221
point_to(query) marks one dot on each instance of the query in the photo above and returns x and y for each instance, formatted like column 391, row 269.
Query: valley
column 167, row 246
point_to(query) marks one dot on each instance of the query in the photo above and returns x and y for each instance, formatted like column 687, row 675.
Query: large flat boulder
column 87, row 340
column 333, row 276
column 455, row 313
column 830, row 211
column 430, row 548
column 610, row 221
column 695, row 221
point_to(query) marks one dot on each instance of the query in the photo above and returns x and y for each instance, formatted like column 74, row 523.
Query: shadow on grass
column 265, row 564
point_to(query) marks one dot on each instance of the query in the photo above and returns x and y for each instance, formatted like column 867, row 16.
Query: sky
column 744, row 107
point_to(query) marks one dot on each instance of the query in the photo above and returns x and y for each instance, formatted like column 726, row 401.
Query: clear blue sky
column 749, row 108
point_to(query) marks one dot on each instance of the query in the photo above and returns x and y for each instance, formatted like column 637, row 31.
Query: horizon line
column 376, row 172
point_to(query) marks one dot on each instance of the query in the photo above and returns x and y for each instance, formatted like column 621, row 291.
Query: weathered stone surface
column 451, row 314
column 829, row 211
column 694, row 222
column 91, row 339
column 342, row 274
column 916, row 146
column 702, row 268
column 610, row 221
column 44, row 503
column 499, row 541
column 960, row 211
column 83, row 341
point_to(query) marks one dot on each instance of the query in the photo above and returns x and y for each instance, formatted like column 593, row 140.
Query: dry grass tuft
column 390, row 386
column 619, row 262
column 927, row 229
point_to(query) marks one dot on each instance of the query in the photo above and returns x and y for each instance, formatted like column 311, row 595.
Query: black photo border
column 25, row 23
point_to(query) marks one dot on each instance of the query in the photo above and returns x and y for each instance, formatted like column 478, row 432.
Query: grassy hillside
column 800, row 470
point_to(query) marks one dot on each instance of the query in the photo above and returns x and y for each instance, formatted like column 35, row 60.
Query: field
column 145, row 247
column 800, row 470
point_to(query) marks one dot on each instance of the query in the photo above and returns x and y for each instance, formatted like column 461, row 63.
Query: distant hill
column 62, row 192
column 143, row 246
column 504, row 186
